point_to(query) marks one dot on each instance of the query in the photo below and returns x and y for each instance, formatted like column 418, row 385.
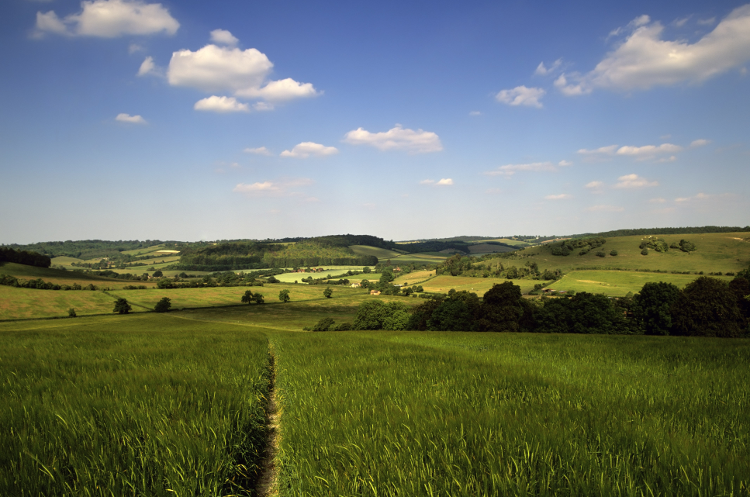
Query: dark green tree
column 122, row 306
column 72, row 313
column 651, row 307
column 247, row 297
column 706, row 307
column 157, row 274
column 163, row 305
column 502, row 309
column 328, row 292
column 258, row 298
column 324, row 324
column 284, row 296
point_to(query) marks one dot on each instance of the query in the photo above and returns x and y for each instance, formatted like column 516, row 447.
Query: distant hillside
column 668, row 231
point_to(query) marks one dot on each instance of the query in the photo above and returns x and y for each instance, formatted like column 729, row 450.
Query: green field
column 716, row 252
column 443, row 283
column 380, row 253
column 131, row 405
column 619, row 283
column 64, row 277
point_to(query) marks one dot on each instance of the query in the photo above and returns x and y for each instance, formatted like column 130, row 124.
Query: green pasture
column 380, row 253
column 64, row 277
column 444, row 283
column 146, row 250
column 413, row 278
column 419, row 258
column 28, row 303
column 131, row 405
column 619, row 283
column 716, row 252
column 404, row 413
column 335, row 271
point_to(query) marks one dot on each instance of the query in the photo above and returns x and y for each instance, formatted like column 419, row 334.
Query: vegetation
column 122, row 306
column 163, row 305
column 24, row 257
column 284, row 295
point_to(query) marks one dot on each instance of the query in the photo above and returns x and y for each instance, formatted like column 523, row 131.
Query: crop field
column 414, row 277
column 444, row 283
column 716, row 252
column 131, row 405
column 378, row 252
column 399, row 413
column 27, row 303
column 63, row 277
column 619, row 283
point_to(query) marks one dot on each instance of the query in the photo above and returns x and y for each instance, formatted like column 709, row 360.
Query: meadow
column 619, row 283
column 65, row 277
column 131, row 405
column 399, row 413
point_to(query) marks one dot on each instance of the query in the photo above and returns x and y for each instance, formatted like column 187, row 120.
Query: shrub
column 122, row 306
column 324, row 324
column 328, row 292
column 284, row 295
column 613, row 252
column 601, row 254
column 71, row 313
column 344, row 327
column 163, row 305
column 644, row 251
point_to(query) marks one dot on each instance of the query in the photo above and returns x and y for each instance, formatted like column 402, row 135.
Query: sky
column 192, row 120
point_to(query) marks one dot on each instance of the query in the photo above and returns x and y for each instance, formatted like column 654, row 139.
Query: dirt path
column 268, row 481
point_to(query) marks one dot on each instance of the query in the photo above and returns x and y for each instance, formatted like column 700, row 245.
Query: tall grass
column 138, row 405
column 484, row 414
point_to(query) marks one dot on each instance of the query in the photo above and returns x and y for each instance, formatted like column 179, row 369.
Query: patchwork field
column 716, row 252
column 619, row 283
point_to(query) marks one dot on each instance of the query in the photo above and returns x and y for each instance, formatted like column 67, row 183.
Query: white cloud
column 707, row 22
column 262, row 106
column 283, row 89
column 257, row 151
column 671, row 158
column 520, row 95
column 564, row 163
column 634, row 181
column 605, row 208
column 561, row 196
column 649, row 150
column 644, row 60
column 135, row 47
column 222, row 105
column 127, row 118
column 511, row 169
column 396, row 138
column 109, row 19
column 608, row 150
column 281, row 188
column 306, row 149
column 594, row 185
column 699, row 142
column 542, row 70
column 223, row 37
column 570, row 90
column 699, row 196
column 658, row 200
column 441, row 182
column 147, row 67
column 241, row 72
column 475, row 113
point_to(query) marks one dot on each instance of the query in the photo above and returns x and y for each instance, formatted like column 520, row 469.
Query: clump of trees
column 163, row 305
column 582, row 245
column 249, row 297
column 26, row 257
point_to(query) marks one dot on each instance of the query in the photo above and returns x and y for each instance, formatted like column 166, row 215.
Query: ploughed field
column 173, row 404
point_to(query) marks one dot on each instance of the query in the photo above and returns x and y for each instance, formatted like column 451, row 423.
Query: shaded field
column 398, row 413
column 443, row 284
column 619, row 283
column 486, row 248
column 716, row 252
column 131, row 405
column 63, row 277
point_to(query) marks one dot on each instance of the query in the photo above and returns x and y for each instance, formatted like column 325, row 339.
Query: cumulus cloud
column 631, row 181
column 564, row 163
column 127, row 118
column 148, row 67
column 520, row 95
column 649, row 150
column 699, row 196
column 561, row 196
column 511, row 169
column 222, row 105
column 542, row 70
column 644, row 60
column 594, row 185
column 109, row 19
column 699, row 142
column 608, row 150
column 257, row 151
column 440, row 182
column 307, row 149
column 244, row 73
column 605, row 208
column 223, row 37
column 281, row 188
column 397, row 138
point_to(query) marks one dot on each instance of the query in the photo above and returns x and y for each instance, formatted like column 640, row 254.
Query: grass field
column 716, row 252
column 443, row 284
column 28, row 303
column 619, row 283
column 378, row 252
column 391, row 413
column 131, row 405
column 64, row 277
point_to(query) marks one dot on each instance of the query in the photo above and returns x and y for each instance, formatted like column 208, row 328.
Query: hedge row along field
column 399, row 413
column 134, row 405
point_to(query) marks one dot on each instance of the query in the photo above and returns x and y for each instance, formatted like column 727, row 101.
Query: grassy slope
column 619, row 283
column 717, row 252
column 378, row 252
column 479, row 286
column 62, row 277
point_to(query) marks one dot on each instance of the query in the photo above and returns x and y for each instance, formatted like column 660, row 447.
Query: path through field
column 268, row 481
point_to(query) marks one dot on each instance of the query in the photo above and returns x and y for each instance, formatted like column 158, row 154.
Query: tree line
column 26, row 257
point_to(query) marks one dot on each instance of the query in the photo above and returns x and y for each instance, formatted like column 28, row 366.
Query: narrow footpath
column 267, row 485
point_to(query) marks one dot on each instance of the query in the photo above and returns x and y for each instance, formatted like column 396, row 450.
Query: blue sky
column 212, row 120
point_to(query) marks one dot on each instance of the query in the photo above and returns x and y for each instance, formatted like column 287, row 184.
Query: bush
column 344, row 327
column 163, row 305
column 158, row 274
column 613, row 252
column 324, row 324
column 122, row 306
column 284, row 296
column 644, row 251
column 601, row 254
column 71, row 313
column 327, row 293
